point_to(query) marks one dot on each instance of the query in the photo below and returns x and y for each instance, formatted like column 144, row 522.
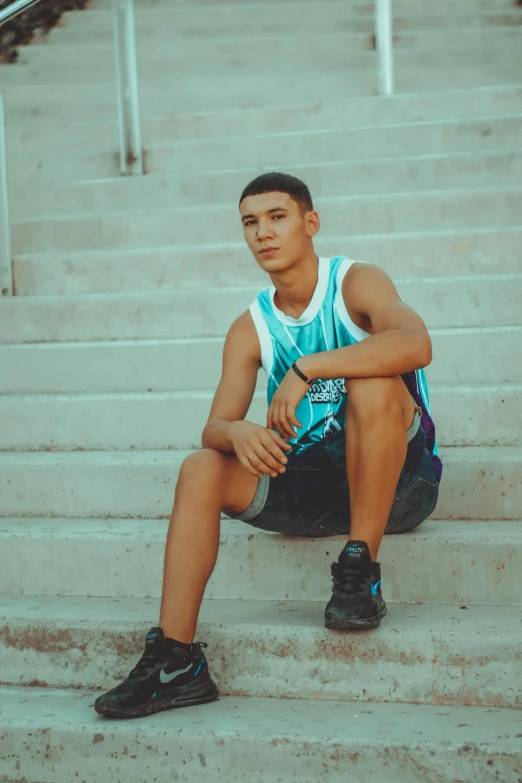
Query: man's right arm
column 259, row 450
column 241, row 361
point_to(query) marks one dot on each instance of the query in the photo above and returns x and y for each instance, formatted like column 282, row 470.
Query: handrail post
column 384, row 44
column 6, row 270
column 131, row 154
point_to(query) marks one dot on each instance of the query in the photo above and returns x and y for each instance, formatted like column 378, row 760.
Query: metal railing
column 131, row 152
column 384, row 45
column 15, row 8
column 6, row 272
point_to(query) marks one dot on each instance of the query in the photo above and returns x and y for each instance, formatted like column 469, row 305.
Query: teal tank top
column 324, row 325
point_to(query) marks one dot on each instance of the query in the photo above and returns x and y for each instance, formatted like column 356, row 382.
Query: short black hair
column 283, row 183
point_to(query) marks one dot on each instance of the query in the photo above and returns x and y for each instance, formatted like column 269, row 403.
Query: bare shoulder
column 364, row 282
column 242, row 341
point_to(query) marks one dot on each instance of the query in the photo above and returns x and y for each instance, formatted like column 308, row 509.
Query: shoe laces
column 347, row 580
column 149, row 660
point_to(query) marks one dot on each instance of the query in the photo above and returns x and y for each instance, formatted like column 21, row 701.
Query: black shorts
column 311, row 498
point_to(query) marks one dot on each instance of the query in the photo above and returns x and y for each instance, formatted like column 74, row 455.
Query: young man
column 348, row 448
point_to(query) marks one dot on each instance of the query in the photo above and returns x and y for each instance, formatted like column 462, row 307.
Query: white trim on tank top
column 323, row 277
column 265, row 338
column 339, row 305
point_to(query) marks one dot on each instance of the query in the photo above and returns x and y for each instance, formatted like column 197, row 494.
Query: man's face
column 273, row 220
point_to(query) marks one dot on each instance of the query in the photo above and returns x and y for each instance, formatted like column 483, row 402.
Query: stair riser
column 461, row 568
column 325, row 59
column 135, row 367
column 384, row 215
column 174, row 269
column 469, row 417
column 343, row 113
column 467, row 303
column 107, row 748
column 477, row 484
column 189, row 22
column 410, row 665
column 346, row 111
column 283, row 150
column 83, row 103
column 419, row 174
column 405, row 43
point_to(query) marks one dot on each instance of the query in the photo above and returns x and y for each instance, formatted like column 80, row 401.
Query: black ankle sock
column 182, row 645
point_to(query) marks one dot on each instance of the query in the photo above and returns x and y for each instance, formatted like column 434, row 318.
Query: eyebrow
column 269, row 212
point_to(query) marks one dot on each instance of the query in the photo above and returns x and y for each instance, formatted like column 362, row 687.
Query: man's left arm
column 399, row 341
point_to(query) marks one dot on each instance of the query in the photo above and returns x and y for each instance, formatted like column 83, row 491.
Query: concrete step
column 457, row 563
column 451, row 210
column 469, row 301
column 374, row 741
column 372, row 176
column 361, row 146
column 479, row 252
column 479, row 483
column 96, row 133
column 426, row 654
column 465, row 416
column 406, row 6
column 321, row 55
column 287, row 46
column 415, row 173
column 85, row 101
column 154, row 366
column 294, row 17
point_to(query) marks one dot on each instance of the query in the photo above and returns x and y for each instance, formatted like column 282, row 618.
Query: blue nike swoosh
column 375, row 587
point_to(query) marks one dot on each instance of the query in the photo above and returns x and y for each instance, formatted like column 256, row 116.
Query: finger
column 290, row 412
column 279, row 440
column 246, row 464
column 274, row 450
column 258, row 464
column 270, row 418
column 287, row 427
column 291, row 419
column 267, row 458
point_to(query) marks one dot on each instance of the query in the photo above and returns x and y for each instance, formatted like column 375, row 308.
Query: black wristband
column 303, row 377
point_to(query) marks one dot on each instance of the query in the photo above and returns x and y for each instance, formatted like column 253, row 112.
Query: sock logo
column 355, row 550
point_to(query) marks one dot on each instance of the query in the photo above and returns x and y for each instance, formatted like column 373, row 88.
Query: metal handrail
column 6, row 271
column 131, row 152
column 15, row 8
column 384, row 44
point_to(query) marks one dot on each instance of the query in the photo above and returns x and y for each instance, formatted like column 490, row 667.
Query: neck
column 295, row 286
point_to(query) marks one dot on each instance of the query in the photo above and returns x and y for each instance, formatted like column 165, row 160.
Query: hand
column 260, row 450
column 281, row 413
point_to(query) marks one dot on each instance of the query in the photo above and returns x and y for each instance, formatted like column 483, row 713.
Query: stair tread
column 154, row 529
column 361, row 722
column 98, row 614
column 494, row 453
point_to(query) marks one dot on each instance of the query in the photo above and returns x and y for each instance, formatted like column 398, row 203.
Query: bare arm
column 241, row 361
column 399, row 340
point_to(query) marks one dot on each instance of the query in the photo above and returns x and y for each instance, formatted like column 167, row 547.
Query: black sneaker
column 165, row 677
column 356, row 601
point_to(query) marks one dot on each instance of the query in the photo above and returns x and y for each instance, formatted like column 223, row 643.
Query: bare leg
column 379, row 414
column 208, row 482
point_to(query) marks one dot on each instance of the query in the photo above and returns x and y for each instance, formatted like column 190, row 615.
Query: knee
column 373, row 396
column 204, row 462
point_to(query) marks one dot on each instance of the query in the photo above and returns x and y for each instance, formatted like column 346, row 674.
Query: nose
column 263, row 229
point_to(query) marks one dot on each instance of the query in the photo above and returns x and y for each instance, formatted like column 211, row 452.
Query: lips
column 268, row 250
